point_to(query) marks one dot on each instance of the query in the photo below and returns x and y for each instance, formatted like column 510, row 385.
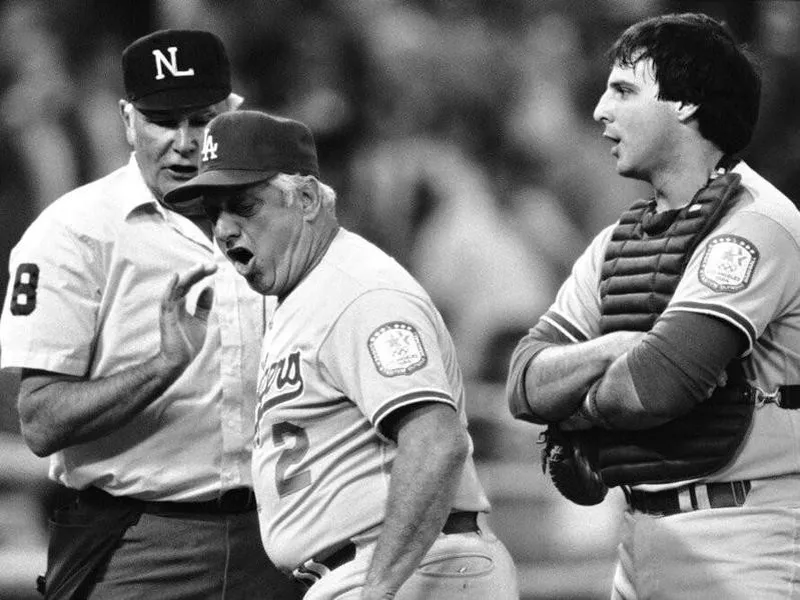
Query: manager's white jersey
column 357, row 339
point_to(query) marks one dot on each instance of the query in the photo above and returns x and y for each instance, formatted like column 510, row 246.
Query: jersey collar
column 136, row 194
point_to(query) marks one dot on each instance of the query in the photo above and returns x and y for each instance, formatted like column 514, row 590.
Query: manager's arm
column 57, row 411
column 432, row 446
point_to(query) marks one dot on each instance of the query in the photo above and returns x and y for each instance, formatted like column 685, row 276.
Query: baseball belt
column 237, row 500
column 313, row 570
column 787, row 396
column 726, row 494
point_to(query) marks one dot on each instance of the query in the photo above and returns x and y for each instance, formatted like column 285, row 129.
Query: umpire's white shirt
column 102, row 256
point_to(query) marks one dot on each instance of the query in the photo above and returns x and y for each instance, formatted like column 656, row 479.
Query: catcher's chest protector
column 644, row 262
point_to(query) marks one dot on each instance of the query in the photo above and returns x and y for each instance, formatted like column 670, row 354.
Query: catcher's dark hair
column 697, row 60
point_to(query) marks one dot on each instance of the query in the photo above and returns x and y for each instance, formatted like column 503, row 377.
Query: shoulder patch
column 396, row 349
column 728, row 263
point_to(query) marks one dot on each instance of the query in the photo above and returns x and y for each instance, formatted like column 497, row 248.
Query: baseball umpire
column 362, row 463
column 145, row 407
column 669, row 362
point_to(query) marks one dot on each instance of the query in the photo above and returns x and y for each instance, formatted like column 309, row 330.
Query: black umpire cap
column 245, row 147
column 176, row 69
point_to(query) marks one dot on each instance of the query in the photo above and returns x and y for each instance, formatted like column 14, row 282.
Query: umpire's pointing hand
column 183, row 334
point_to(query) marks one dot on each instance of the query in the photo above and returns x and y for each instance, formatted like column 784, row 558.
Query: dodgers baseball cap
column 248, row 146
column 176, row 69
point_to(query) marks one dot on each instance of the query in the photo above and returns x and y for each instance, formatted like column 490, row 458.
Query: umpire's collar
column 137, row 198
column 135, row 194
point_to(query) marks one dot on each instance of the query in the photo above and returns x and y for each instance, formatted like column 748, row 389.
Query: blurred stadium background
column 459, row 137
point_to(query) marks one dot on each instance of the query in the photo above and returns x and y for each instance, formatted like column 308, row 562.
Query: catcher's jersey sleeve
column 573, row 317
column 744, row 273
column 740, row 275
column 52, row 302
column 576, row 309
column 383, row 352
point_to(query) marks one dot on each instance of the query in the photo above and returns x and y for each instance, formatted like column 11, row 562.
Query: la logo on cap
column 209, row 148
column 171, row 64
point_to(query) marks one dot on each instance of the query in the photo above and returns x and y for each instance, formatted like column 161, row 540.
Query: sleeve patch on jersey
column 728, row 263
column 396, row 349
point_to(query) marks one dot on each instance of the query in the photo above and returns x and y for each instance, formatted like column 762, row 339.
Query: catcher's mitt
column 566, row 456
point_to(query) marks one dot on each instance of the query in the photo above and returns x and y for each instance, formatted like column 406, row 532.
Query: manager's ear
column 310, row 199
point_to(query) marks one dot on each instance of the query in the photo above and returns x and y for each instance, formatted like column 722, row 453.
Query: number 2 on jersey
column 296, row 441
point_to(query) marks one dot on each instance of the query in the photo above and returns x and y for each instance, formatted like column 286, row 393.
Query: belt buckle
column 310, row 572
column 761, row 397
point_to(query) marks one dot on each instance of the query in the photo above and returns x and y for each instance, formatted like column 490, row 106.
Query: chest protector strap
column 645, row 260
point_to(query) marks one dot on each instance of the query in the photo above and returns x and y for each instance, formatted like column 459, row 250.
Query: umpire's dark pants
column 177, row 556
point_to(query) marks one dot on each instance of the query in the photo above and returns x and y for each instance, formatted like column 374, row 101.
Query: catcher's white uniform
column 743, row 273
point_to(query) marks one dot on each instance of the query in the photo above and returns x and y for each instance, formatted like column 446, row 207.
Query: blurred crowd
column 457, row 133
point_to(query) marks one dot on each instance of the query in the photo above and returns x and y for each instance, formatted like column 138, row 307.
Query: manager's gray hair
column 291, row 185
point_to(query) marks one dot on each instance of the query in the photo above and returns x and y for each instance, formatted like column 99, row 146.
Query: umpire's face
column 167, row 143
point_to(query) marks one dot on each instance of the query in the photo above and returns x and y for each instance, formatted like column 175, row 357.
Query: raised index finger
column 191, row 277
